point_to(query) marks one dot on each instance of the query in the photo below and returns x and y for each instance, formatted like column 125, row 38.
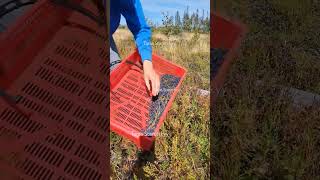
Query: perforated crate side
column 130, row 100
column 58, row 155
column 63, row 91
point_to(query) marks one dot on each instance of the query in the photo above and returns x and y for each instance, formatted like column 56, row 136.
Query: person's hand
column 151, row 78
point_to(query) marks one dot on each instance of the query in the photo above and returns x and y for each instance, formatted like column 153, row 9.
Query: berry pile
column 217, row 57
column 167, row 85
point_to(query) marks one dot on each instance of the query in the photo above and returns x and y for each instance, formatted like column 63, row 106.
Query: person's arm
column 133, row 13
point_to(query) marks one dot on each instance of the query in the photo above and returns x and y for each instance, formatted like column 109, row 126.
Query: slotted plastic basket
column 225, row 39
column 130, row 100
column 56, row 61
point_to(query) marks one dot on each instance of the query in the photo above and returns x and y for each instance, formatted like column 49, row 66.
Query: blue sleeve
column 136, row 22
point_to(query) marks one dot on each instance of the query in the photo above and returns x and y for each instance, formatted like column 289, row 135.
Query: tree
column 201, row 26
column 150, row 23
column 207, row 24
column 174, row 24
column 186, row 20
column 178, row 23
column 196, row 21
column 168, row 24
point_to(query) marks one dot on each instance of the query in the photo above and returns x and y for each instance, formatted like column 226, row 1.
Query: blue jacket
column 133, row 13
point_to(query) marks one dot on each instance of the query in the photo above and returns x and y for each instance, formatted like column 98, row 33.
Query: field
column 182, row 150
column 257, row 131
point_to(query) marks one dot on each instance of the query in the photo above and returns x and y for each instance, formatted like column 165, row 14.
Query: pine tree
column 186, row 20
column 202, row 21
column 196, row 20
column 207, row 23
column 178, row 20
column 192, row 19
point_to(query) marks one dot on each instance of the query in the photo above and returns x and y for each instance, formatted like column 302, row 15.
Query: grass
column 256, row 132
column 182, row 149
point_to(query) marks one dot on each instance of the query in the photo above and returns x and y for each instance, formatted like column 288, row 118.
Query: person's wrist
column 146, row 60
column 147, row 63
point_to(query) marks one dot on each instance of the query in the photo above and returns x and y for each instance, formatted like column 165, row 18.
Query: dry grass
column 257, row 134
column 169, row 43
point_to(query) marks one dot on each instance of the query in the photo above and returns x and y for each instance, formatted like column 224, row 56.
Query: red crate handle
column 76, row 7
column 5, row 10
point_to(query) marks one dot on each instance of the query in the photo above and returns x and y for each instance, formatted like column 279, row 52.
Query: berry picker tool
column 134, row 113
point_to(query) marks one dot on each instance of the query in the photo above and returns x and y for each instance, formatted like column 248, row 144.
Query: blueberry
column 217, row 58
column 167, row 84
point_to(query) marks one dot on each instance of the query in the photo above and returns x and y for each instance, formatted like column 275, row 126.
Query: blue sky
column 153, row 8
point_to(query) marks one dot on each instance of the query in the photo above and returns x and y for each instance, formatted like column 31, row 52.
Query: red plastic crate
column 57, row 155
column 58, row 69
column 225, row 34
column 21, row 42
column 60, row 72
column 130, row 100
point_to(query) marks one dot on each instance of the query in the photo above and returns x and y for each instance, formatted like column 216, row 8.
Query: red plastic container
column 130, row 100
column 225, row 34
column 59, row 70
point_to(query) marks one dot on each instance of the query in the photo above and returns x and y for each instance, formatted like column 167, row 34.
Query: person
column 132, row 11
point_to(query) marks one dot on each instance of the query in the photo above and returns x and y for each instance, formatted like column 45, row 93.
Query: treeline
column 188, row 22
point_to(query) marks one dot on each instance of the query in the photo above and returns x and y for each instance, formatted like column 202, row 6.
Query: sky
column 153, row 8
